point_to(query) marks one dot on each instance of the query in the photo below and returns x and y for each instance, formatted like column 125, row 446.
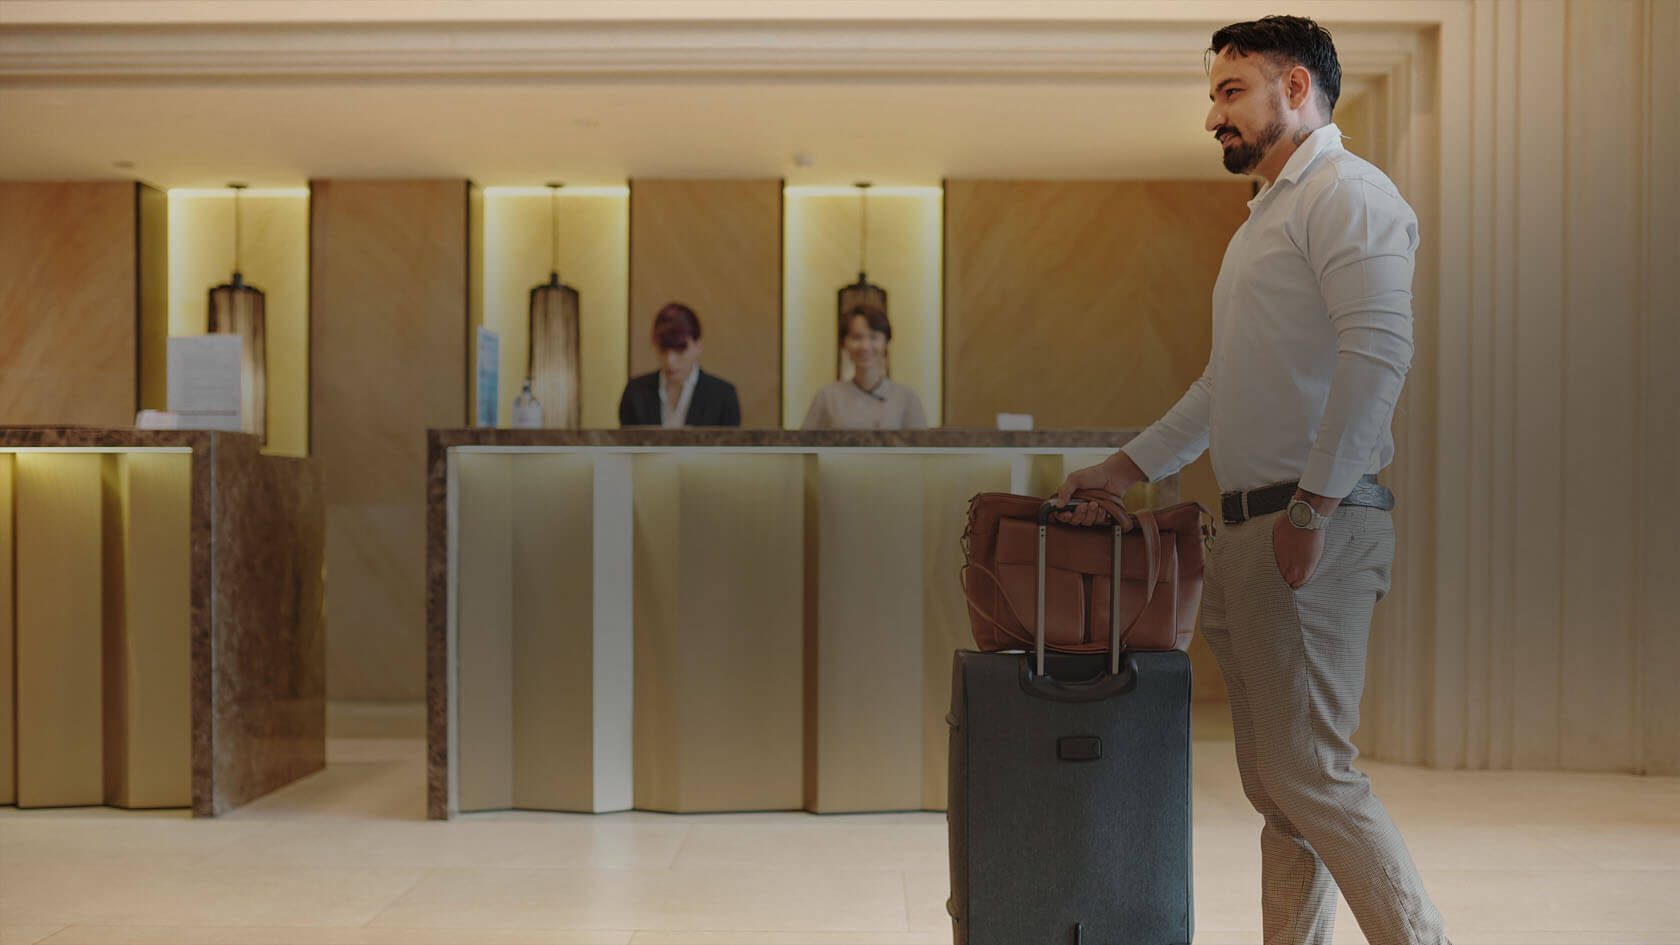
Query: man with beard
column 1312, row 337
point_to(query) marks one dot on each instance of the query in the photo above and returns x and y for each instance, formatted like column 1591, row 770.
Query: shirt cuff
column 1332, row 476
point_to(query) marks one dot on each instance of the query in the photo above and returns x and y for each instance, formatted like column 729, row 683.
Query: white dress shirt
column 1312, row 334
column 673, row 417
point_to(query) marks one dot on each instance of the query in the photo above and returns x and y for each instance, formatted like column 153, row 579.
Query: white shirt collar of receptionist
column 678, row 416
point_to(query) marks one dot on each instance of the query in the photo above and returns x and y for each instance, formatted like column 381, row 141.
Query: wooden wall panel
column 388, row 355
column 8, row 721
column 1659, row 427
column 552, row 583
column 484, row 604
column 69, row 291
column 716, row 246
column 719, row 693
column 1087, row 304
column 866, row 670
column 152, row 545
column 60, row 706
column 153, row 337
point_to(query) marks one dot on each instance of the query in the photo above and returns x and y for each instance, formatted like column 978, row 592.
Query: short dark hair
column 873, row 314
column 675, row 326
column 1295, row 40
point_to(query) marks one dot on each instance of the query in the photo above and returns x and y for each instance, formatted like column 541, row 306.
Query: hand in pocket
column 1296, row 550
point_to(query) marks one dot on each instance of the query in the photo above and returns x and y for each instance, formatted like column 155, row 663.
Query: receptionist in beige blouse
column 870, row 400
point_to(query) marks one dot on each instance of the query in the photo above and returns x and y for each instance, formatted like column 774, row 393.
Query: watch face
column 1300, row 514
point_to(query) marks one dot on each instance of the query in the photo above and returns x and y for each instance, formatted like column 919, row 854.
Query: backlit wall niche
column 820, row 247
column 275, row 259
column 594, row 259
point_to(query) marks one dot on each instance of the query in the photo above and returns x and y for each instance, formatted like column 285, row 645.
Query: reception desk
column 161, row 623
column 706, row 620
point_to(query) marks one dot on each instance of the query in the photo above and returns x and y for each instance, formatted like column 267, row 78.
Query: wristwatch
column 1303, row 515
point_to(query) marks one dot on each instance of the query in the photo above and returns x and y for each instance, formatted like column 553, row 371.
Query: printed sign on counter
column 203, row 381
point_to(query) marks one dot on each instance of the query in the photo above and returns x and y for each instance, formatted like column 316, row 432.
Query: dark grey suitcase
column 1069, row 801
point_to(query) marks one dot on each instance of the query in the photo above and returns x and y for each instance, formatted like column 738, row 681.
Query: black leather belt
column 1238, row 507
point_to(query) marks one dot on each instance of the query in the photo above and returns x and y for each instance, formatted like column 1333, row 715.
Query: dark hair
column 1295, row 40
column 874, row 314
column 675, row 326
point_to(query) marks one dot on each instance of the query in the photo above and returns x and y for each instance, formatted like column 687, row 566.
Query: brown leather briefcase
column 1024, row 568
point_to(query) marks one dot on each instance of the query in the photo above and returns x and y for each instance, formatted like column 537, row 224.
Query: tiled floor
column 343, row 857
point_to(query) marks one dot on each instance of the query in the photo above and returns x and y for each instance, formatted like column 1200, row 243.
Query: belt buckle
column 1245, row 515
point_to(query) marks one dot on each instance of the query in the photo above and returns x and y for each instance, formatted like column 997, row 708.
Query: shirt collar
column 879, row 393
column 1320, row 142
column 687, row 388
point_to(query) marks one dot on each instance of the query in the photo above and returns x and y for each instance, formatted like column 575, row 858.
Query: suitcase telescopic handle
column 1045, row 511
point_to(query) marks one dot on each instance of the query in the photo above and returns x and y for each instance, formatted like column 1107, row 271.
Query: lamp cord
column 863, row 230
column 236, row 229
column 554, row 228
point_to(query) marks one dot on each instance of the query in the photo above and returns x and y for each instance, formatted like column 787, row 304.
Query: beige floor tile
column 1509, row 847
column 226, row 895
column 366, row 750
column 1513, row 858
column 1618, row 847
column 778, row 818
column 25, row 934
column 925, row 895
column 1556, row 900
column 557, row 842
column 98, row 836
column 1566, row 939
column 1227, row 901
column 833, row 900
column 1226, row 848
column 207, row 935
column 824, row 845
column 790, row 939
column 1553, row 798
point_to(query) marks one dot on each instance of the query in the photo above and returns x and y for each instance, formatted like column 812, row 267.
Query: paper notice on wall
column 489, row 370
column 203, row 381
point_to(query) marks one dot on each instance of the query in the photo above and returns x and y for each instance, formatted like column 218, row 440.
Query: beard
column 1244, row 157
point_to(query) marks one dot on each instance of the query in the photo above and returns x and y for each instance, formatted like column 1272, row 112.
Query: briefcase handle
column 1123, row 522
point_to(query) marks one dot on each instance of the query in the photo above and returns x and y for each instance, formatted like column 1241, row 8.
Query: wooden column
column 388, row 360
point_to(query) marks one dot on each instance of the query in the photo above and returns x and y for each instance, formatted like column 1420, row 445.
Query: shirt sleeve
column 816, row 418
column 914, row 417
column 1361, row 243
column 1175, row 440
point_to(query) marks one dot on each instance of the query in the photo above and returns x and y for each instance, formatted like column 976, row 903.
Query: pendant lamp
column 237, row 309
column 861, row 290
column 554, row 352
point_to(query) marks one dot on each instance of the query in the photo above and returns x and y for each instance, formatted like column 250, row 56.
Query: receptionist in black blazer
column 679, row 394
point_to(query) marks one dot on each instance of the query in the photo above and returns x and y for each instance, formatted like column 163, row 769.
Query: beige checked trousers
column 1294, row 665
